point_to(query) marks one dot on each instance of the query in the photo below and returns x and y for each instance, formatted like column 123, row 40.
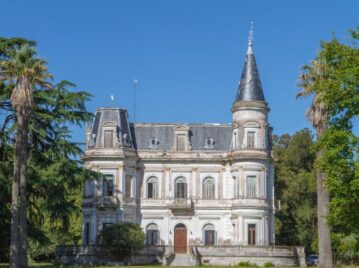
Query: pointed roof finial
column 250, row 40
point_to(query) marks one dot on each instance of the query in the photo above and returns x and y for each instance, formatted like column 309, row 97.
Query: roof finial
column 250, row 40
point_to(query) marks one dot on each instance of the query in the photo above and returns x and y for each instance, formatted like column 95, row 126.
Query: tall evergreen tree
column 54, row 172
column 332, row 80
column 26, row 71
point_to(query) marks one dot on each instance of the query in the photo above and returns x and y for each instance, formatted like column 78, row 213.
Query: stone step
column 182, row 259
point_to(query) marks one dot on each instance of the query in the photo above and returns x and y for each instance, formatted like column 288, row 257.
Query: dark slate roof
column 149, row 136
column 250, row 88
column 117, row 117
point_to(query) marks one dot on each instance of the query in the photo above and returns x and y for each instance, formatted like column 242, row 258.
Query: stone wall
column 216, row 255
column 232, row 255
column 95, row 255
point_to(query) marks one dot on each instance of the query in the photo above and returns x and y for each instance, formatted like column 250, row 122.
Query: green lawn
column 51, row 265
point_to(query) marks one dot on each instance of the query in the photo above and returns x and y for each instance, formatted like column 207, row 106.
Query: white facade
column 185, row 184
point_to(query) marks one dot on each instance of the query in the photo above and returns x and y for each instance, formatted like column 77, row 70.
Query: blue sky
column 187, row 55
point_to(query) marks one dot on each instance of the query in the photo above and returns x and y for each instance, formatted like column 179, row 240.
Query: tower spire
column 250, row 39
column 250, row 88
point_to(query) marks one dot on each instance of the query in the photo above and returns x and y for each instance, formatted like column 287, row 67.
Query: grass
column 52, row 265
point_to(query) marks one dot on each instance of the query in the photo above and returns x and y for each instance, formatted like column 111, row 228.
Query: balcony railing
column 180, row 204
column 101, row 201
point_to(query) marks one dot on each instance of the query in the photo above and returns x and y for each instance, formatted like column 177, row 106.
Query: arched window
column 152, row 234
column 152, row 187
column 208, row 188
column 180, row 188
column 209, row 235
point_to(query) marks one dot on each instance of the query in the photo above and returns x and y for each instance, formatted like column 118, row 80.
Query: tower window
column 251, row 234
column 251, row 186
column 250, row 139
column 107, row 185
column 108, row 138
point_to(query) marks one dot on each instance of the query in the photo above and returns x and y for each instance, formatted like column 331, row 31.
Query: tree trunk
column 14, row 241
column 324, row 239
column 23, row 199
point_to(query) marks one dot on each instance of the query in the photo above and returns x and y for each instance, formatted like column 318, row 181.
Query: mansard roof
column 157, row 136
column 112, row 117
column 202, row 136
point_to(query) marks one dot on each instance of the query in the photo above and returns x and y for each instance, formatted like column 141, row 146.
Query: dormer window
column 181, row 139
column 181, row 142
column 209, row 143
column 154, row 142
column 108, row 138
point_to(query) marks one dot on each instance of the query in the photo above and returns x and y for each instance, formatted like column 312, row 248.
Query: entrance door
column 180, row 238
column 251, row 234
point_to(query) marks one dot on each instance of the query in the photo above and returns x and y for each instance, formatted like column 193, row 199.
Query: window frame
column 251, row 193
column 209, row 231
column 154, row 181
column 207, row 193
column 180, row 181
column 152, row 231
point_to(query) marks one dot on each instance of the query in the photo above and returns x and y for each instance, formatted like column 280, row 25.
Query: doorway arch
column 180, row 238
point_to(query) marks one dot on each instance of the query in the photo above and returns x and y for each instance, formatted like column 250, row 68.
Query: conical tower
column 250, row 110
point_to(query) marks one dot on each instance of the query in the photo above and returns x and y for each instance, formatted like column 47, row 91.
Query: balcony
column 181, row 205
column 101, row 202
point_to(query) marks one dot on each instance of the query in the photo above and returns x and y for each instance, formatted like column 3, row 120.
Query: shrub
column 268, row 264
column 247, row 264
column 122, row 239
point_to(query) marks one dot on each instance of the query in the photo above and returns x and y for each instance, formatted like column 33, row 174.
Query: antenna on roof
column 135, row 83
column 250, row 39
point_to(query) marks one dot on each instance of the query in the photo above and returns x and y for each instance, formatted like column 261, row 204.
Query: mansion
column 185, row 184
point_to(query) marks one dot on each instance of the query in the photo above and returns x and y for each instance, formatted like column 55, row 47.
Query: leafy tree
column 295, row 188
column 26, row 71
column 54, row 173
column 333, row 79
column 122, row 239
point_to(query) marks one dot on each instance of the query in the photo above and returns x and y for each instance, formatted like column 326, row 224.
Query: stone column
column 240, row 181
column 220, row 184
column 119, row 180
column 241, row 230
column 163, row 184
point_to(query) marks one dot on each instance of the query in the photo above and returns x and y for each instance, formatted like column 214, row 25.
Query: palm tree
column 317, row 114
column 26, row 71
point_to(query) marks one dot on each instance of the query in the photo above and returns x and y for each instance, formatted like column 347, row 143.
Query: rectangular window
column 152, row 190
column 251, row 187
column 108, row 139
column 251, row 234
column 107, row 185
column 181, row 142
column 209, row 237
column 250, row 139
column 180, row 190
column 87, row 233
column 128, row 184
column 152, row 237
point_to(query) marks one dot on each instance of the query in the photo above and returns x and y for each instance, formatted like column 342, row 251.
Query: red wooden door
column 180, row 240
column 251, row 234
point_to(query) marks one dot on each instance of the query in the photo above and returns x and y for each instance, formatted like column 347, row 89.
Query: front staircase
column 182, row 259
